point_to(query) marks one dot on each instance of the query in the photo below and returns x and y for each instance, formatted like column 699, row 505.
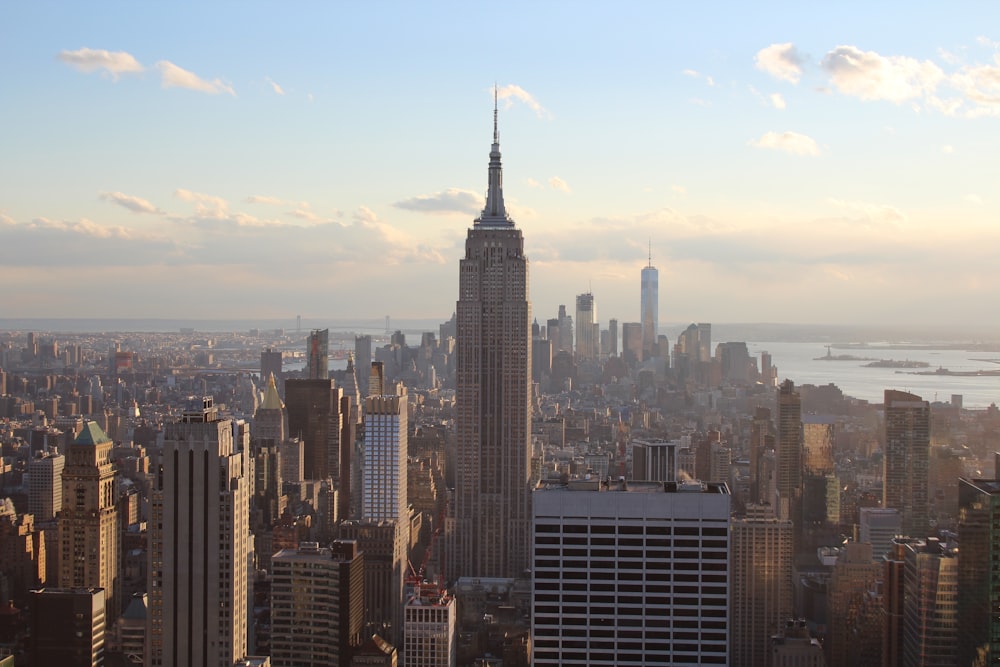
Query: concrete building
column 200, row 550
column 45, row 488
column 854, row 612
column 384, row 466
column 930, row 604
column 978, row 596
column 429, row 628
column 878, row 527
column 68, row 627
column 363, row 360
column 90, row 539
column 795, row 647
column 631, row 573
column 587, row 329
column 314, row 417
column 649, row 306
column 271, row 365
column 493, row 393
column 655, row 460
column 318, row 354
column 907, row 456
column 761, row 591
column 317, row 604
column 385, row 545
column 788, row 453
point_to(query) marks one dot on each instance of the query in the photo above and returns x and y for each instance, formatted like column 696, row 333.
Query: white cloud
column 205, row 205
column 91, row 60
column 695, row 74
column 274, row 86
column 981, row 86
column 452, row 200
column 870, row 76
column 511, row 92
column 557, row 183
column 874, row 214
column 777, row 101
column 134, row 204
column 172, row 76
column 781, row 61
column 789, row 142
column 266, row 199
column 532, row 183
column 306, row 213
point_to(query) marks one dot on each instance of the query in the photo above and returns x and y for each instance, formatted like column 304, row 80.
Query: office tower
column 376, row 379
column 269, row 421
column 541, row 358
column 650, row 306
column 761, row 440
column 794, row 647
column 734, row 362
column 632, row 342
column 586, row 317
column 761, row 592
column 855, row 613
column 314, row 417
column 893, row 590
column 318, row 350
column 68, row 627
column 384, row 466
column 907, row 454
column 385, row 545
column 635, row 573
column 788, row 450
column 200, row 553
column 292, row 453
column 565, row 330
column 654, row 460
column 317, row 604
column 878, row 526
column 820, row 484
column 930, row 607
column 613, row 337
column 89, row 527
column 978, row 597
column 349, row 458
column 431, row 639
column 363, row 359
column 45, row 487
column 493, row 392
column 270, row 365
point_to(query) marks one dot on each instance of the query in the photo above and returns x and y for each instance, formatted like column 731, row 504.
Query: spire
column 271, row 399
column 650, row 253
column 495, row 213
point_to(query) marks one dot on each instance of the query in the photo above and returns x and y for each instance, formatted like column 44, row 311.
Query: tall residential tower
column 492, row 495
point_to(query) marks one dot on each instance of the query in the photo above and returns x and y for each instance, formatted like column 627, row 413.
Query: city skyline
column 158, row 150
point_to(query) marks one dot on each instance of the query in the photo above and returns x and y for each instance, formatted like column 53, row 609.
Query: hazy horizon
column 788, row 163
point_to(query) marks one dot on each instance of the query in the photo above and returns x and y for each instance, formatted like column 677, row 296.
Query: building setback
column 632, row 573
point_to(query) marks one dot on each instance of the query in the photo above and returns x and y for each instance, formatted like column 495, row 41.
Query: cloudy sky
column 792, row 162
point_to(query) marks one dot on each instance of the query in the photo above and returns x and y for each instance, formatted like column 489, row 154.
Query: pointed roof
column 495, row 214
column 91, row 435
column 272, row 401
column 136, row 609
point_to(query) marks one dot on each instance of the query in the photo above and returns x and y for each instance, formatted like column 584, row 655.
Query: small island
column 829, row 356
column 893, row 363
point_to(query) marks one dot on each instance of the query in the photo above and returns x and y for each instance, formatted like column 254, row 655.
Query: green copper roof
column 92, row 434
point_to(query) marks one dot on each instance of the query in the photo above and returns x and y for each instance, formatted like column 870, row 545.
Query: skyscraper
column 978, row 597
column 788, row 451
column 363, row 360
column 68, row 627
column 907, row 455
column 431, row 637
column 45, row 487
column 493, row 379
column 587, row 339
column 631, row 574
column 650, row 305
column 384, row 466
column 89, row 527
column 317, row 604
column 270, row 364
column 314, row 416
column 200, row 550
column 318, row 349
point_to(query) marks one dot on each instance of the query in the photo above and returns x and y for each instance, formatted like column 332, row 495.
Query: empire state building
column 493, row 426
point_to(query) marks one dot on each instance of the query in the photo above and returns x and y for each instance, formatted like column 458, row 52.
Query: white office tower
column 200, row 548
column 634, row 573
column 384, row 467
column 430, row 639
column 45, row 488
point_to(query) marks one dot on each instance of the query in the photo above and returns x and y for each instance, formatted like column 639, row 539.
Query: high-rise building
column 384, row 466
column 314, row 417
column 650, row 306
column 430, row 636
column 632, row 342
column 634, row 573
column 317, row 604
column 68, row 627
column 45, row 487
column 654, row 460
column 89, row 526
column 877, row 527
column 493, row 397
column 907, row 456
column 565, row 330
column 761, row 440
column 854, row 611
column 385, row 545
column 270, row 364
column 587, row 343
column 788, row 451
column 318, row 350
column 200, row 551
column 613, row 337
column 978, row 596
column 269, row 421
column 363, row 359
column 761, row 592
column 795, row 647
column 930, row 605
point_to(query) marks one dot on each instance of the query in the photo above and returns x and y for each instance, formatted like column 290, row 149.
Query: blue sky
column 813, row 164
